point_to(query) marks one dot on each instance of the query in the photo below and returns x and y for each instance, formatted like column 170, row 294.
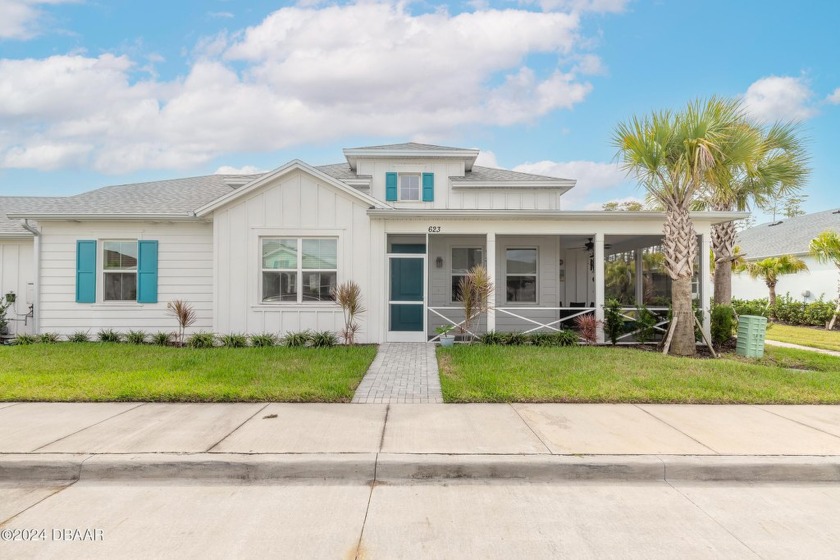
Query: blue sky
column 96, row 92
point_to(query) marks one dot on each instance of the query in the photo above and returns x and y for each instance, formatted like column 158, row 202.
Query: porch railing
column 568, row 315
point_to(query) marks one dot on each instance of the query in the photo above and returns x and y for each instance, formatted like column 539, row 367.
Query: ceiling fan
column 590, row 246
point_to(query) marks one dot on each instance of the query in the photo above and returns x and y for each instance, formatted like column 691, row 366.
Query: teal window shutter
column 147, row 271
column 428, row 187
column 85, row 271
column 390, row 186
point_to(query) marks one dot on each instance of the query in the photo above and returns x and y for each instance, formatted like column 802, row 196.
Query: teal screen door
column 406, row 294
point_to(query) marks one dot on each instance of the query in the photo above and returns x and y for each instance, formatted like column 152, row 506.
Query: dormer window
column 409, row 186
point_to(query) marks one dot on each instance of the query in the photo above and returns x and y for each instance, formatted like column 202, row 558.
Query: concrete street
column 179, row 519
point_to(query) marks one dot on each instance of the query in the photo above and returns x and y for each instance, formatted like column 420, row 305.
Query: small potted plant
column 446, row 339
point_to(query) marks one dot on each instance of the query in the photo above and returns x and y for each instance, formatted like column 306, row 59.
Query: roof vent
column 776, row 223
column 836, row 212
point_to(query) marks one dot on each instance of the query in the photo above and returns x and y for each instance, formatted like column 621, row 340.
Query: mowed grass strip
column 805, row 336
column 123, row 372
column 625, row 375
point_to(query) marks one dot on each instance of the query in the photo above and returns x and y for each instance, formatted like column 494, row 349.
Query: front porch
column 542, row 282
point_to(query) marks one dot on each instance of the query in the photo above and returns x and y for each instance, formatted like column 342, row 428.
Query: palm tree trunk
column 836, row 309
column 723, row 244
column 680, row 248
column 772, row 287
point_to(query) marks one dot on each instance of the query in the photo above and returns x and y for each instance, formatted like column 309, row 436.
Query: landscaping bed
column 482, row 373
column 125, row 372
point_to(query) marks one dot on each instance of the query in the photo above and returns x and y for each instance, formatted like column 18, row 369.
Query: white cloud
column 301, row 75
column 20, row 19
column 47, row 156
column 779, row 98
column 599, row 6
column 487, row 158
column 244, row 170
column 834, row 97
column 220, row 15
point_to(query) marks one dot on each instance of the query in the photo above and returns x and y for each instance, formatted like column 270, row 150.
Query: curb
column 420, row 468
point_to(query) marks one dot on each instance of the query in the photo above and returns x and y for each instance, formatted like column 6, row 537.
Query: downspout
column 36, row 303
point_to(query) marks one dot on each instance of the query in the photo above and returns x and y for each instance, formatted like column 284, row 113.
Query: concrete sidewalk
column 410, row 442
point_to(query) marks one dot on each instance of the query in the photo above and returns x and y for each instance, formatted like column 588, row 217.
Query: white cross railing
column 659, row 326
column 550, row 325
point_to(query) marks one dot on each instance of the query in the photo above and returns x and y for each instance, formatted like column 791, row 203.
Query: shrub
column 492, row 338
column 202, row 340
column 723, row 324
column 515, row 338
column 793, row 312
column 645, row 323
column 296, row 338
column 751, row 307
column 819, row 313
column 25, row 339
column 263, row 340
column 108, row 335
column 162, row 338
column 323, row 339
column 613, row 320
column 79, row 336
column 49, row 338
column 588, row 327
column 234, row 340
column 184, row 314
column 349, row 296
column 135, row 337
column 559, row 338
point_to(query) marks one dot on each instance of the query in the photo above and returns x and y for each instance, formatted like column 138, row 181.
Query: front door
column 406, row 298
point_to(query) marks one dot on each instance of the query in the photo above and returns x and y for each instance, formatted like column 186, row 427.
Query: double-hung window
column 521, row 276
column 299, row 270
column 409, row 186
column 119, row 270
column 463, row 259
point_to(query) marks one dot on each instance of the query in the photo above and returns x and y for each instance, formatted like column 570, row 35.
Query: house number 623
column 434, row 229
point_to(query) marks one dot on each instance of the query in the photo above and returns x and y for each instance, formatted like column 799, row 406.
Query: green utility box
column 751, row 330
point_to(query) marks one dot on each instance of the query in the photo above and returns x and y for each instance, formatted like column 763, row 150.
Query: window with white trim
column 298, row 270
column 521, row 276
column 409, row 186
column 119, row 270
column 463, row 259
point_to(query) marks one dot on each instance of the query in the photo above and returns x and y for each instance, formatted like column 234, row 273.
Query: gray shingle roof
column 410, row 146
column 340, row 171
column 10, row 204
column 791, row 236
column 176, row 197
column 482, row 174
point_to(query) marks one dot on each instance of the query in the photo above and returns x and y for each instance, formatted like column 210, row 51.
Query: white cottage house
column 789, row 236
column 261, row 253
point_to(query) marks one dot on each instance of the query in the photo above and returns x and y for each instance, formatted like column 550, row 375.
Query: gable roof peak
column 410, row 150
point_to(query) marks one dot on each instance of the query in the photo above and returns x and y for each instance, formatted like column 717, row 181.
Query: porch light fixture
column 439, row 262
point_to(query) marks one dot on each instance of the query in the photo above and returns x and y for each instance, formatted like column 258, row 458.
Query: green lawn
column 603, row 374
column 805, row 336
column 123, row 372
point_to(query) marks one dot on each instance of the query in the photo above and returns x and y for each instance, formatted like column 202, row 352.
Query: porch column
column 705, row 284
column 599, row 283
column 640, row 278
column 491, row 275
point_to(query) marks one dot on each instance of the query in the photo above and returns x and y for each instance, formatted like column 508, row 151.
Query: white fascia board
column 294, row 165
column 112, row 217
column 11, row 235
column 565, row 184
column 711, row 217
column 353, row 155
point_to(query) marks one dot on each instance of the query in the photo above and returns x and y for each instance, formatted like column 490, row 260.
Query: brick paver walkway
column 401, row 373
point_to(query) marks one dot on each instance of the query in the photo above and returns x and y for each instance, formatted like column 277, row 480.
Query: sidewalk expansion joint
column 90, row 426
column 236, row 428
column 694, row 439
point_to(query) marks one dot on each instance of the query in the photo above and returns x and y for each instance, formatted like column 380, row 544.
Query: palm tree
column 826, row 247
column 771, row 268
column 670, row 154
column 770, row 164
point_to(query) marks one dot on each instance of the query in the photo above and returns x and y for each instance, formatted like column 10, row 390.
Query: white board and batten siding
column 294, row 205
column 461, row 198
column 185, row 271
column 17, row 274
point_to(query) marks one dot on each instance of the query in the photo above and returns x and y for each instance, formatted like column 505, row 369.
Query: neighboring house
column 789, row 236
column 263, row 252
